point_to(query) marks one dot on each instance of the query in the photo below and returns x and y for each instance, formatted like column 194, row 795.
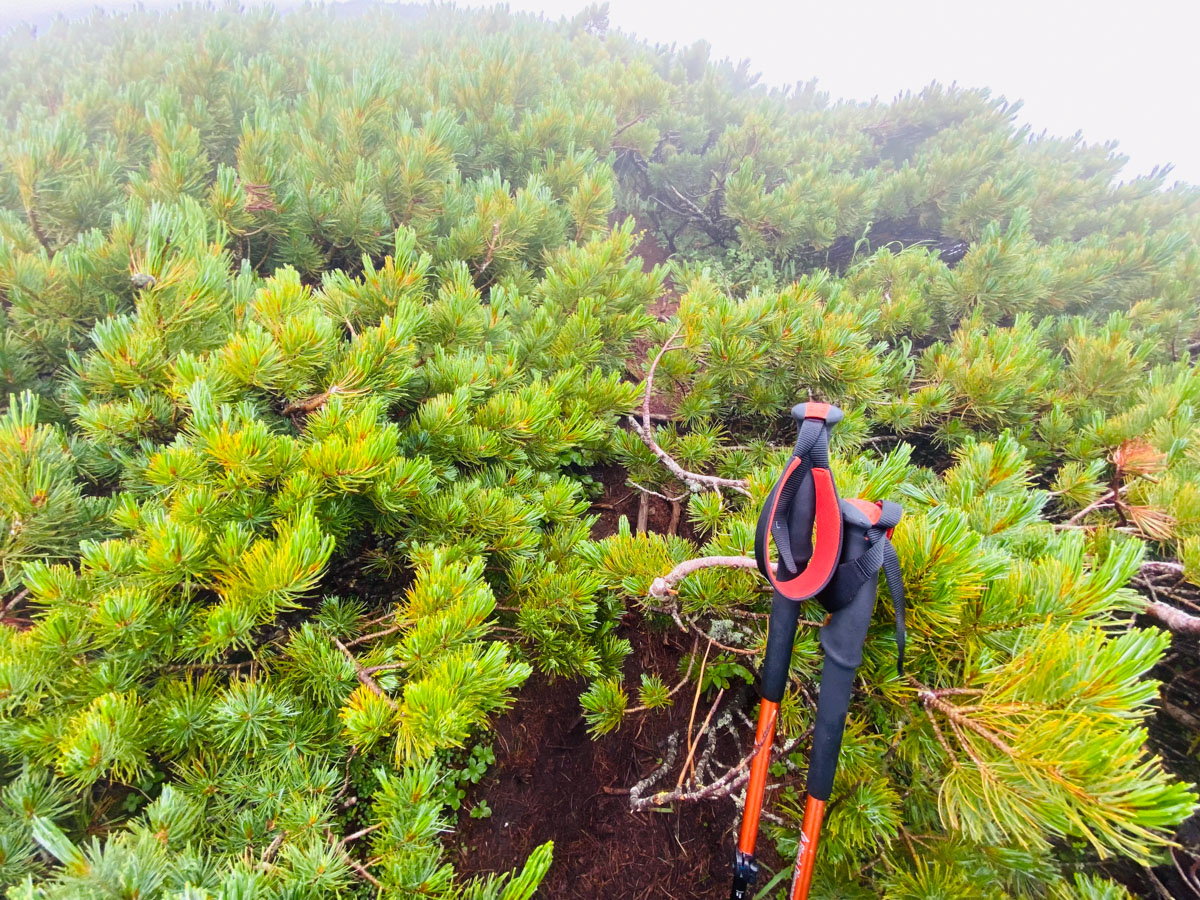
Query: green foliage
column 316, row 334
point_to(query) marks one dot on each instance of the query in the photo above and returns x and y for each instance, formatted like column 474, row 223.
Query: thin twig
column 957, row 719
column 614, row 504
column 373, row 635
column 14, row 600
column 1102, row 501
column 346, row 781
column 492, row 243
column 205, row 667
column 362, row 832
column 271, row 848
column 941, row 738
column 713, row 642
column 675, row 690
column 640, row 117
column 646, row 490
column 1110, row 499
column 35, row 226
column 357, row 867
column 692, row 717
column 687, row 763
column 364, row 676
column 387, row 667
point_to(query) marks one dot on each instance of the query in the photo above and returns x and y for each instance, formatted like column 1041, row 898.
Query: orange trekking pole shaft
column 806, row 855
column 781, row 633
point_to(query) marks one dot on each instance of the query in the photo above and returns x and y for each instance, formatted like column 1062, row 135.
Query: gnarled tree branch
column 663, row 586
column 645, row 430
column 1175, row 619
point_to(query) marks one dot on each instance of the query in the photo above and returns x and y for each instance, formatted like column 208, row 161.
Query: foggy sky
column 1113, row 70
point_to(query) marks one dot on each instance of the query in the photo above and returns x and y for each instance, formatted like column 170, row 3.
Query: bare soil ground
column 553, row 782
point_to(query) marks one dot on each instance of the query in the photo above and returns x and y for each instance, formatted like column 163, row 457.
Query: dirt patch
column 620, row 499
column 648, row 247
column 551, row 781
column 665, row 305
column 652, row 254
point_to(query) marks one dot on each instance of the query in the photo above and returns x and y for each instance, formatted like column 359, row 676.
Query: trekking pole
column 850, row 600
column 805, row 496
column 860, row 543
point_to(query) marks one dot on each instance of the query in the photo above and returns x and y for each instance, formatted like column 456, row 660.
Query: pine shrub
column 316, row 331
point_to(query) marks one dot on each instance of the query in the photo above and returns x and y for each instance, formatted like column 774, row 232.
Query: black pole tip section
column 745, row 873
column 781, row 634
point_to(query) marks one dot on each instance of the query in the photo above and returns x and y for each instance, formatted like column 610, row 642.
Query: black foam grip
column 842, row 639
column 781, row 634
column 834, row 700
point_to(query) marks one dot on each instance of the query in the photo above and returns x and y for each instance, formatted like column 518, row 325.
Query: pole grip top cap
column 826, row 411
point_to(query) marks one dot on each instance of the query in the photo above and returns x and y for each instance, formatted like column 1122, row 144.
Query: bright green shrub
column 315, row 331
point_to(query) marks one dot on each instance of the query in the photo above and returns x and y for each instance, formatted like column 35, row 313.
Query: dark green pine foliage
column 316, row 330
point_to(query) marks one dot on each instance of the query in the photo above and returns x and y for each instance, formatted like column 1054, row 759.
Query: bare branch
column 373, row 635
column 694, row 480
column 363, row 873
column 35, row 225
column 493, row 241
column 312, row 404
column 1103, row 501
column 362, row 832
column 1175, row 619
column 640, row 117
column 664, row 585
column 1165, row 613
column 14, row 600
column 646, row 490
column 1155, row 568
column 386, row 667
column 730, row 781
column 269, row 852
column 645, row 430
column 713, row 642
column 650, row 375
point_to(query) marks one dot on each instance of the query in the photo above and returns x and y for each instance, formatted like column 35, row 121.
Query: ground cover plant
column 335, row 346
